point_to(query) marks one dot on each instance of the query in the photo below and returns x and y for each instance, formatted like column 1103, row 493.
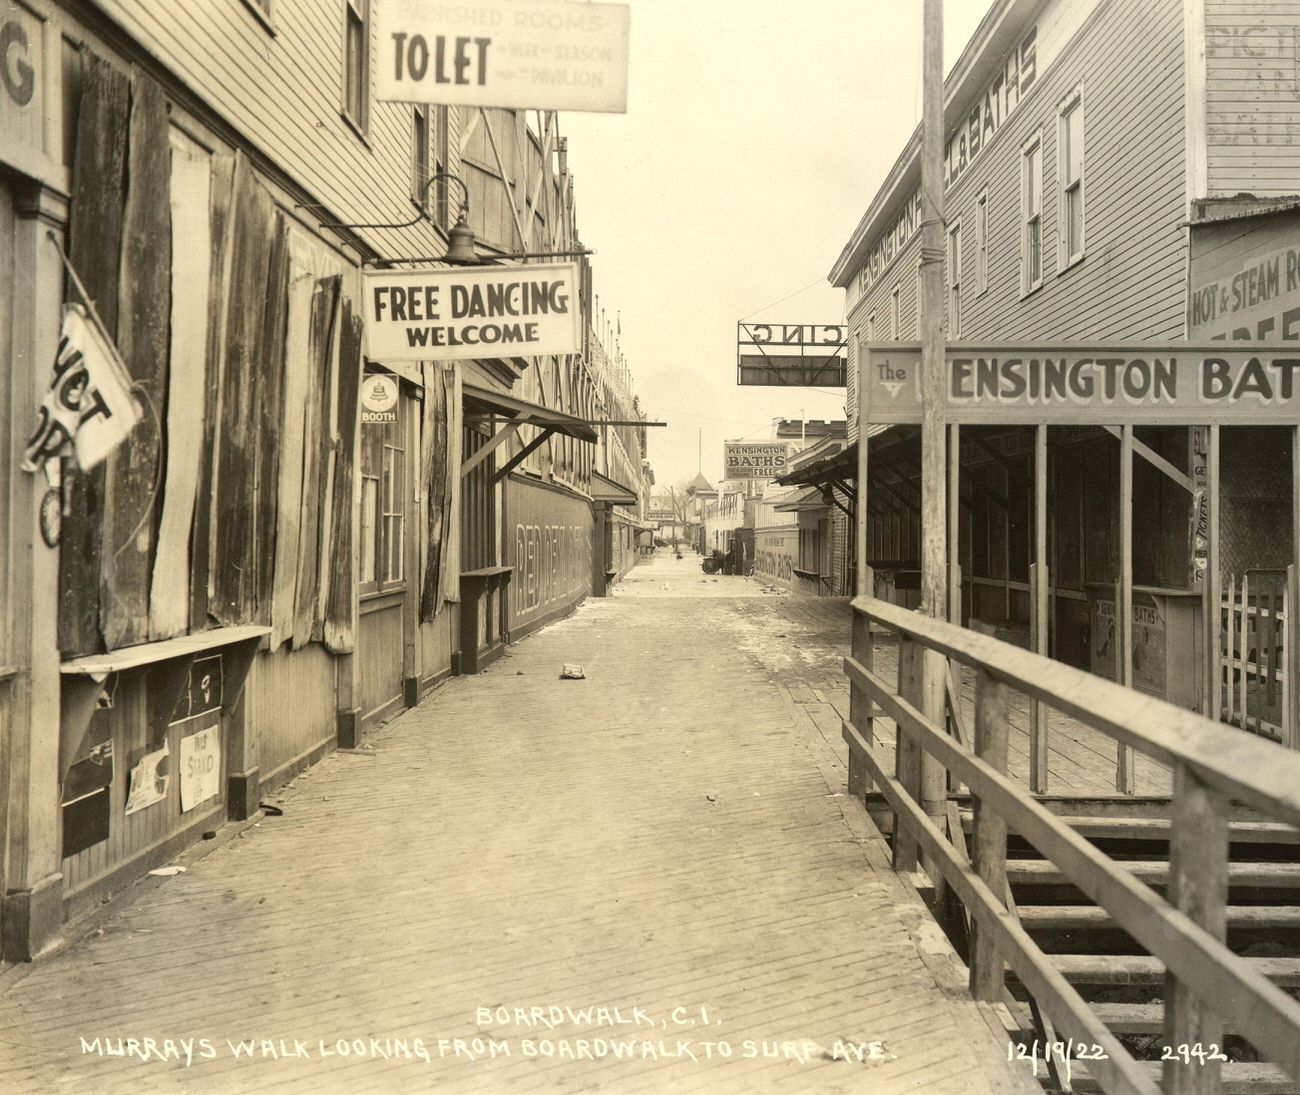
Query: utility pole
column 934, row 478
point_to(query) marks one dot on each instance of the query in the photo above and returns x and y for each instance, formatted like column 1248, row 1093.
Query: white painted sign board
column 200, row 767
column 537, row 54
column 468, row 313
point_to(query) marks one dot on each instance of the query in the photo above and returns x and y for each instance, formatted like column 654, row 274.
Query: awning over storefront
column 808, row 499
column 484, row 403
column 605, row 489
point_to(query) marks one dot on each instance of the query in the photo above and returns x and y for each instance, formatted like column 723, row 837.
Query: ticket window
column 384, row 493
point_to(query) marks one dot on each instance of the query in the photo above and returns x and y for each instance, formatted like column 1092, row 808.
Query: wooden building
column 1112, row 169
column 260, row 571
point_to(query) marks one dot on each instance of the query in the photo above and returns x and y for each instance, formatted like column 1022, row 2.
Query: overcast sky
column 756, row 134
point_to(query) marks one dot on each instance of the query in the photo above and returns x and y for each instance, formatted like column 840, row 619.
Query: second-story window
column 419, row 155
column 894, row 316
column 953, row 266
column 1069, row 124
column 1031, row 215
column 356, row 62
column 440, row 141
column 982, row 243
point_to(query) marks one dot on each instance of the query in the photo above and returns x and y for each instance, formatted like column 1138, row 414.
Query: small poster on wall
column 200, row 767
column 149, row 780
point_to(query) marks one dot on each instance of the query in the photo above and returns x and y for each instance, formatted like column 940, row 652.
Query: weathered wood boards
column 223, row 168
column 434, row 489
column 269, row 409
column 324, row 308
column 191, row 273
column 95, row 230
column 232, row 578
column 340, row 630
column 132, row 485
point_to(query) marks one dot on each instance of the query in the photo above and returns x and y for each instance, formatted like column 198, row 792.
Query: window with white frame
column 982, row 243
column 356, row 62
column 1031, row 214
column 895, row 317
column 1069, row 144
column 953, row 268
column 920, row 288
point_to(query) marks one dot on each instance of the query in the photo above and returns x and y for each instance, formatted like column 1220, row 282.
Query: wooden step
column 1041, row 872
column 1090, row 917
column 1127, row 969
column 1157, row 828
column 1239, row 1077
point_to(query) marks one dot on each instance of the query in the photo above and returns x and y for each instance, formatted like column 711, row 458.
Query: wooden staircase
column 1125, row 985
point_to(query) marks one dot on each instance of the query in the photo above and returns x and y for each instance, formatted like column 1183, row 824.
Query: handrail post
column 1198, row 887
column 1038, row 711
column 860, row 706
column 907, row 750
column 992, row 705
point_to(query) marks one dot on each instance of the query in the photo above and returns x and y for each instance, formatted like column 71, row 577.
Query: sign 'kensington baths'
column 1232, row 382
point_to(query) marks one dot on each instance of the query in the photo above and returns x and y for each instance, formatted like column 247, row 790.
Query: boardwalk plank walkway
column 670, row 833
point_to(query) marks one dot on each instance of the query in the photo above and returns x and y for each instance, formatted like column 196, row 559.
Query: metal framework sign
column 456, row 315
column 755, row 460
column 539, row 54
column 1225, row 382
column 806, row 355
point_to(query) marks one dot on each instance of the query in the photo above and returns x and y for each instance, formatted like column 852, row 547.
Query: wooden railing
column 1214, row 767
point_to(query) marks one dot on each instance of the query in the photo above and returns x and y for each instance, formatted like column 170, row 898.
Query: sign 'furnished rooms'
column 450, row 315
column 1129, row 383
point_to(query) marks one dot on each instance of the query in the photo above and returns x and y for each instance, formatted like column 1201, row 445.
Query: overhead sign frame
column 809, row 355
column 1238, row 383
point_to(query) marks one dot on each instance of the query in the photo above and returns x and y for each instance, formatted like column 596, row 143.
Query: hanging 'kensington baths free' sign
column 455, row 315
column 1225, row 382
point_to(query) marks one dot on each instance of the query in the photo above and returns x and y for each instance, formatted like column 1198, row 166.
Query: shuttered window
column 1031, row 206
column 1069, row 128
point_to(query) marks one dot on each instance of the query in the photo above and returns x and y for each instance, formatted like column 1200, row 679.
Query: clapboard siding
column 283, row 94
column 1252, row 109
column 1129, row 61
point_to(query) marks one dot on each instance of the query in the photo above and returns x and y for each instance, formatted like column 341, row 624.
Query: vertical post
column 1213, row 588
column 954, row 525
column 907, row 754
column 1198, row 887
column 1291, row 637
column 1243, row 650
column 1038, row 747
column 1124, row 782
column 860, row 704
column 1229, row 662
column 934, row 481
column 990, row 838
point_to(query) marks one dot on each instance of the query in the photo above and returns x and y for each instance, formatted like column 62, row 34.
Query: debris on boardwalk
column 572, row 673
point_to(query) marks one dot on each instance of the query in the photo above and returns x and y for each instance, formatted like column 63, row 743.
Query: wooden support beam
column 1038, row 616
column 1291, row 641
column 1213, row 586
column 907, row 750
column 860, row 705
column 1198, row 887
column 522, row 454
column 1124, row 602
column 992, row 715
column 954, row 523
column 1008, row 465
column 491, row 445
column 1156, row 460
